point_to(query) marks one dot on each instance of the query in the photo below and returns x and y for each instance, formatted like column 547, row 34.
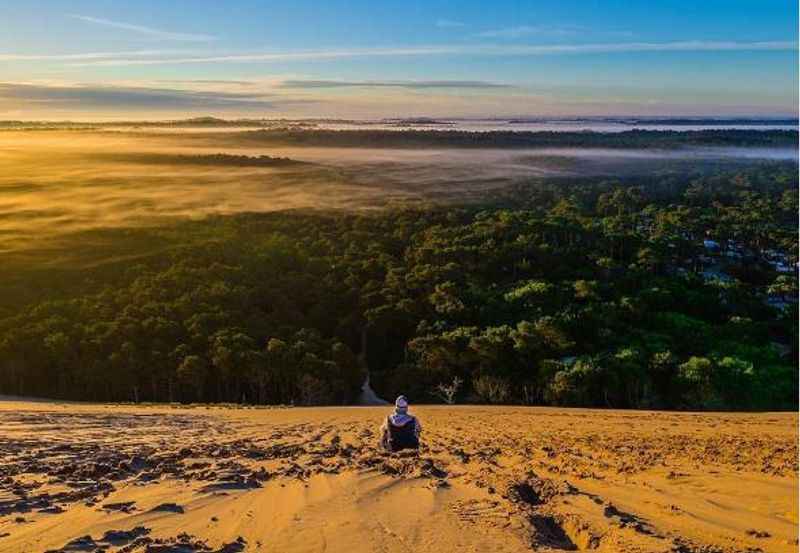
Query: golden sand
column 77, row 477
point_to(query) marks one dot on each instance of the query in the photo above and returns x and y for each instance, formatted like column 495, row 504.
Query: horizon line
column 531, row 118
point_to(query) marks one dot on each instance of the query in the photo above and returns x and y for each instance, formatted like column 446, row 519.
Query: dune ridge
column 78, row 477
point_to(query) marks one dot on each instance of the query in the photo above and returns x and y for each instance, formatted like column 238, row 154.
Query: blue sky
column 103, row 59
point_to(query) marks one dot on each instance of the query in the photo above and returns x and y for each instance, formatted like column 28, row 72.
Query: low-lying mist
column 59, row 182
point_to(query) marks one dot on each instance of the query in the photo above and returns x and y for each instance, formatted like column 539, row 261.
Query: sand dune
column 171, row 479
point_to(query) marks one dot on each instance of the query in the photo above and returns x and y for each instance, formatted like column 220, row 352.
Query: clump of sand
column 173, row 479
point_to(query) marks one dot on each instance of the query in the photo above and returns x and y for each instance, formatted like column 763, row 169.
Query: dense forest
column 665, row 291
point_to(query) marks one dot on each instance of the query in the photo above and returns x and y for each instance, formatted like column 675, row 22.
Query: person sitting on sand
column 400, row 430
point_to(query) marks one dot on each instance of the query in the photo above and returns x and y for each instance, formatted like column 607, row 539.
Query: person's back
column 401, row 430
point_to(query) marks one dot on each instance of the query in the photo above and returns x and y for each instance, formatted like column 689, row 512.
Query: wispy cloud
column 449, row 24
column 522, row 31
column 124, row 98
column 525, row 31
column 95, row 96
column 149, row 32
column 313, row 84
column 94, row 55
column 455, row 50
column 208, row 81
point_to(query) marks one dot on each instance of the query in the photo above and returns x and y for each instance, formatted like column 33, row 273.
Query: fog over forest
column 97, row 179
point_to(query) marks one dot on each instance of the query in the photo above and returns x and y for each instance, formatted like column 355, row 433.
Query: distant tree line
column 212, row 160
column 636, row 138
column 565, row 292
